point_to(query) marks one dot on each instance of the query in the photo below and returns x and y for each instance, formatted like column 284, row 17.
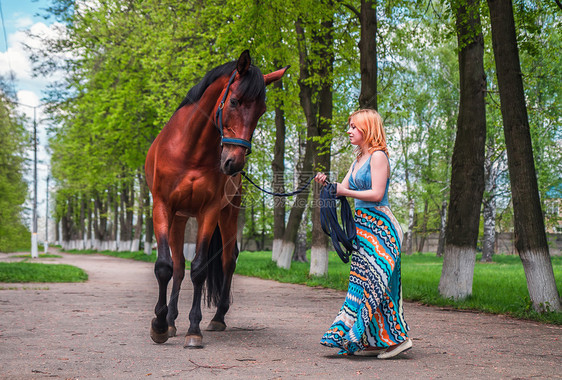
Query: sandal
column 395, row 350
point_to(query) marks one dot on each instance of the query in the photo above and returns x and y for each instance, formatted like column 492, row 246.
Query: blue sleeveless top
column 362, row 181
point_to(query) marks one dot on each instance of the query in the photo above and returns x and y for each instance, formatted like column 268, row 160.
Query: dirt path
column 100, row 329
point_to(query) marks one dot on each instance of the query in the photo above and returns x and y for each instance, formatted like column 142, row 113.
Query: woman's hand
column 321, row 178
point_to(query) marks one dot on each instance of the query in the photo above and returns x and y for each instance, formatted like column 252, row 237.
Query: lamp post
column 47, row 217
column 34, row 253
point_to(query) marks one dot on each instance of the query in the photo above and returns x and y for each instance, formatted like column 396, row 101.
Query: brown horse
column 193, row 170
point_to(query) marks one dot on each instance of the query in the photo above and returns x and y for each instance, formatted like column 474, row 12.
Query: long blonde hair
column 369, row 122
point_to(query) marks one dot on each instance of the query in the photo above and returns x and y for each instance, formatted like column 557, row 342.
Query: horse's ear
column 274, row 76
column 244, row 62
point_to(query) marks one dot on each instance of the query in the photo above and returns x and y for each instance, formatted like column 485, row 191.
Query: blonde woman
column 371, row 319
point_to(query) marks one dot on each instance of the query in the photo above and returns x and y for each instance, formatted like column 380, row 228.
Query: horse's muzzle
column 233, row 164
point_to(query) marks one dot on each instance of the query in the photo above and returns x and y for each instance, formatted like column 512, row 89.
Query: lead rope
column 346, row 236
column 279, row 194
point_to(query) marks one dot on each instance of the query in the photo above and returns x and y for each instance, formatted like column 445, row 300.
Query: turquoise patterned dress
column 372, row 314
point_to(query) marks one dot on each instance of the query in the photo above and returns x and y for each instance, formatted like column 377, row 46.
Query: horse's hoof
column 216, row 326
column 172, row 331
column 157, row 336
column 193, row 341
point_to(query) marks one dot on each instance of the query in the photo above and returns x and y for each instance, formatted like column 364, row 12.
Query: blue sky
column 18, row 16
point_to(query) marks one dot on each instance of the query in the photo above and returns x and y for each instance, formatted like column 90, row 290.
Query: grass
column 41, row 256
column 24, row 271
column 499, row 287
column 138, row 255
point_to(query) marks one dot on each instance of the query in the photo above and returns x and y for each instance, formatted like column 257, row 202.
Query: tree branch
column 559, row 4
column 355, row 11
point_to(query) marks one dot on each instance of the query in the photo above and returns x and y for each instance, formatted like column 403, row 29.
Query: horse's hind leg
column 176, row 244
column 228, row 227
column 163, row 271
column 206, row 227
column 229, row 264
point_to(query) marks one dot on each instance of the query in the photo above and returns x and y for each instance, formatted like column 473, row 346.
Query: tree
column 310, row 108
column 278, row 171
column 13, row 140
column 530, row 241
column 319, row 250
column 368, row 54
column 467, row 176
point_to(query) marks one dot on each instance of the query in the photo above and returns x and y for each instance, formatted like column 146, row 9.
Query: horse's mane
column 252, row 86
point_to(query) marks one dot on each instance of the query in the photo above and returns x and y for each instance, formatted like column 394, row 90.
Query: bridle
column 218, row 123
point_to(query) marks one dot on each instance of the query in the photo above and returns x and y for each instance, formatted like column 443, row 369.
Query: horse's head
column 240, row 106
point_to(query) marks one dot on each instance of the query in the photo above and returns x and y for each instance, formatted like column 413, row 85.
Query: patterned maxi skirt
column 372, row 314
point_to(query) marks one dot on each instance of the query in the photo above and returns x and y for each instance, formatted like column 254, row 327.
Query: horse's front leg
column 228, row 224
column 206, row 227
column 163, row 270
column 176, row 235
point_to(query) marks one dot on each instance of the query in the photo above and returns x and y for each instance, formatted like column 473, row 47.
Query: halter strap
column 218, row 122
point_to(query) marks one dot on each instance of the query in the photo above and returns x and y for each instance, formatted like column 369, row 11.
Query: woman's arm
column 379, row 175
column 321, row 178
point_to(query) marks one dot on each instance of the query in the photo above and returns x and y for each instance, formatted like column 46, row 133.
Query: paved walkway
column 100, row 329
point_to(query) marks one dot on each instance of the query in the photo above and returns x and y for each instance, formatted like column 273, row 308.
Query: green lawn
column 139, row 255
column 499, row 287
column 24, row 271
column 41, row 256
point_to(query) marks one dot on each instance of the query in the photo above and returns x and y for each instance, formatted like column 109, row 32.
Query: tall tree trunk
column 467, row 177
column 66, row 224
column 57, row 232
column 368, row 54
column 127, row 201
column 423, row 233
column 295, row 216
column 409, row 235
column 409, row 238
column 190, row 239
column 278, row 169
column 302, row 242
column 82, row 231
column 530, row 236
column 101, row 224
column 135, row 245
column 442, row 228
column 310, row 111
column 149, row 228
column 114, row 206
column 489, row 206
column 89, row 229
column 319, row 253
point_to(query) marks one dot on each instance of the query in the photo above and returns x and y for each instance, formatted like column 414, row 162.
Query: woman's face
column 355, row 135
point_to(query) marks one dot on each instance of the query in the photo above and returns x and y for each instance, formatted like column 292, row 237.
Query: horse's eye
column 234, row 102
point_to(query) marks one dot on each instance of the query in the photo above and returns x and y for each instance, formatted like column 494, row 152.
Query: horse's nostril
column 228, row 164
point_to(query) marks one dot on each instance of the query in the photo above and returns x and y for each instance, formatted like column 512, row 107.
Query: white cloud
column 16, row 58
column 31, row 99
column 29, row 90
column 23, row 22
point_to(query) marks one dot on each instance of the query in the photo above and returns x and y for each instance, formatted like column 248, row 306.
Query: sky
column 18, row 16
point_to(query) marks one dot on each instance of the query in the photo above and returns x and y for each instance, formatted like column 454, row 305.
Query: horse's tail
column 215, row 276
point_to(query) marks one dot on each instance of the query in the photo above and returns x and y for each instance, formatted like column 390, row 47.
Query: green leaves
column 128, row 64
column 13, row 189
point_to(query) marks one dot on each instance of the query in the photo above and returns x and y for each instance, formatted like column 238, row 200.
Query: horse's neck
column 197, row 120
